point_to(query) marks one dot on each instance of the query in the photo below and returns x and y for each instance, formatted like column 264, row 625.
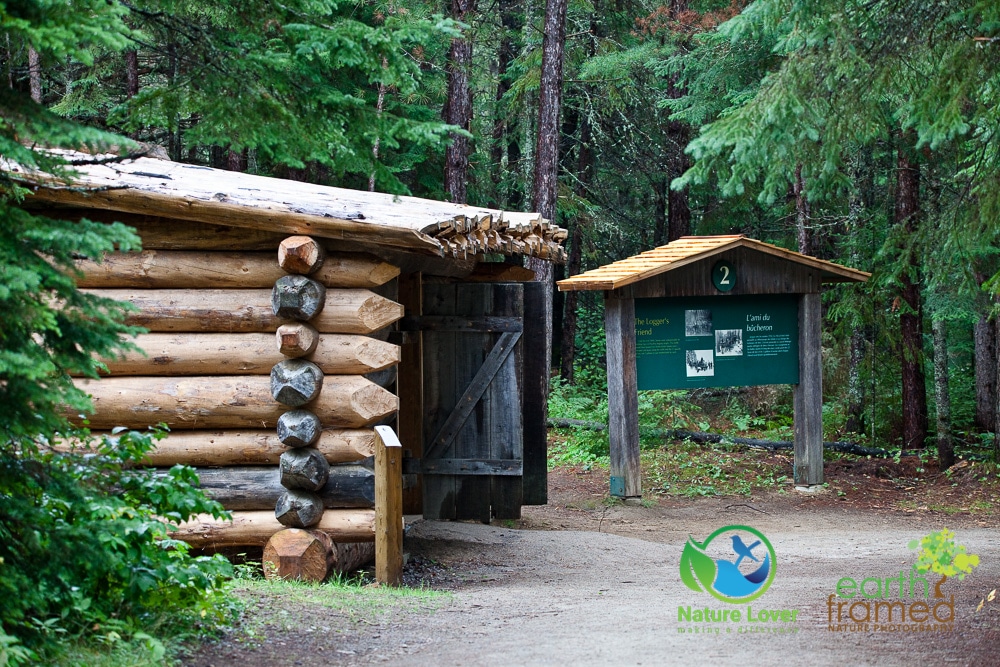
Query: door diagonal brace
column 456, row 420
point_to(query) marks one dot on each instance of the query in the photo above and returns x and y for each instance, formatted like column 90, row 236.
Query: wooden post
column 410, row 386
column 388, row 507
column 623, row 397
column 808, row 397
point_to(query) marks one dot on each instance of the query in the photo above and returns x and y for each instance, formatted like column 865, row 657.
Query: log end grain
column 299, row 509
column 297, row 297
column 297, row 339
column 304, row 468
column 300, row 555
column 300, row 254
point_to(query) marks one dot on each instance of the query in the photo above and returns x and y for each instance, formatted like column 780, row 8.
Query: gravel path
column 597, row 586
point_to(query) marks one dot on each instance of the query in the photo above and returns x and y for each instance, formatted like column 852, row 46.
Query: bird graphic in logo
column 711, row 569
column 744, row 551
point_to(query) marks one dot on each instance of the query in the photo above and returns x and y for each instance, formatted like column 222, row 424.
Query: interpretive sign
column 733, row 341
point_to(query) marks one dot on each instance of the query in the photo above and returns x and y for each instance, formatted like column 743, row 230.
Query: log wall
column 257, row 362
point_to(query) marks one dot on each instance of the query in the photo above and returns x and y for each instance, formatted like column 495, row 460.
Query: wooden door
column 473, row 346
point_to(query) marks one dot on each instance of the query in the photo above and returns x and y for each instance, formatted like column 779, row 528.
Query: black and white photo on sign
column 697, row 323
column 699, row 363
column 729, row 343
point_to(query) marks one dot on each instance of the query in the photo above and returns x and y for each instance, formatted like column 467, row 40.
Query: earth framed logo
column 735, row 564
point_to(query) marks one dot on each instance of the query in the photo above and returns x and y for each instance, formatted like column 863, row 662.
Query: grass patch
column 351, row 596
column 690, row 470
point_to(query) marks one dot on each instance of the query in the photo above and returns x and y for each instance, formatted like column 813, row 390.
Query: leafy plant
column 85, row 549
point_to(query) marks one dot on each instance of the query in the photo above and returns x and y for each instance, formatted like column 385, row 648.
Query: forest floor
column 584, row 580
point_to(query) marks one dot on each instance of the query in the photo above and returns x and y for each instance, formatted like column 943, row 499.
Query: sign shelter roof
column 688, row 250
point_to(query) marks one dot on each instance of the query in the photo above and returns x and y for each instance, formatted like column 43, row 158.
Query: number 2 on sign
column 725, row 275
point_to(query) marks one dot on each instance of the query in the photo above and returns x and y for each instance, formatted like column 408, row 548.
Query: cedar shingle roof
column 689, row 249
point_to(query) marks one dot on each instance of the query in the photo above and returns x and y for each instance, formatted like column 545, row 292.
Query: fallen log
column 247, row 354
column 349, row 311
column 251, row 447
column 702, row 437
column 227, row 402
column 256, row 528
column 195, row 269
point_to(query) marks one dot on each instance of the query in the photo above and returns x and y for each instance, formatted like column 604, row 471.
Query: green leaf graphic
column 697, row 569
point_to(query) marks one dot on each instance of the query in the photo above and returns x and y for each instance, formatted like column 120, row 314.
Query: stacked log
column 506, row 234
column 258, row 367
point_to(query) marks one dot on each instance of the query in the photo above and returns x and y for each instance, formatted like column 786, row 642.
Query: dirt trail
column 579, row 583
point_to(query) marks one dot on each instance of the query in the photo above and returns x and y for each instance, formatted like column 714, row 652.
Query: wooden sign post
column 713, row 311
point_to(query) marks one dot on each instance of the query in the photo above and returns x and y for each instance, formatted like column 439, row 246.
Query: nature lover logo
column 734, row 564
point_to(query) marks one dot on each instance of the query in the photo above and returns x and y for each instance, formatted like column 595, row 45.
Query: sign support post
column 808, row 395
column 623, row 397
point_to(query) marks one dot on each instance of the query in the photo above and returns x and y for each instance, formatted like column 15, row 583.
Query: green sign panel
column 734, row 341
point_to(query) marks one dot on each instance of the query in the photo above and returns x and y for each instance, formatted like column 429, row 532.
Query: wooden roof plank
column 196, row 193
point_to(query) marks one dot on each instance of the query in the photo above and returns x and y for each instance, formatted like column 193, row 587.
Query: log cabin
column 292, row 330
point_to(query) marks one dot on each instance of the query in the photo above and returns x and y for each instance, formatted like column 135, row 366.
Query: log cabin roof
column 149, row 186
column 689, row 249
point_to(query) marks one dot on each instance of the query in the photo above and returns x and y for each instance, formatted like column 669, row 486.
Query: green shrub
column 84, row 550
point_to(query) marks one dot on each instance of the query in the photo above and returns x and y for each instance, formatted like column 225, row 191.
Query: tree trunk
column 679, row 135
column 801, row 213
column 584, row 170
column 996, row 394
column 985, row 341
column 942, row 397
column 35, row 75
column 911, row 318
column 661, row 195
column 379, row 106
column 985, row 337
column 546, row 181
column 855, row 390
column 458, row 110
column 131, row 73
column 506, row 53
column 236, row 160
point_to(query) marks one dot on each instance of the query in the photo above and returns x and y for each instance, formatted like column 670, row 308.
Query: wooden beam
column 388, row 507
column 534, row 392
column 348, row 311
column 410, row 386
column 623, row 397
column 131, row 200
column 227, row 402
column 247, row 354
column 250, row 447
column 256, row 528
column 808, row 395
